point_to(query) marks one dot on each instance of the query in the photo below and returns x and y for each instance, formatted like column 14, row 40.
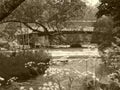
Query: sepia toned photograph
column 59, row 44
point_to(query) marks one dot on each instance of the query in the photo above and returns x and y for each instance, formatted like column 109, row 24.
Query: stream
column 79, row 59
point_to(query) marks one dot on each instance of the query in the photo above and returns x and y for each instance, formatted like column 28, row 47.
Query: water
column 73, row 53
column 81, row 59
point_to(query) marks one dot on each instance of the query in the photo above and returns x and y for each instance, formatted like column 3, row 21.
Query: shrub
column 23, row 65
column 110, row 67
column 70, row 79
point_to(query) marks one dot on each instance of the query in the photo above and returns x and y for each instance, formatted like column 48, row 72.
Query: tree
column 111, row 57
column 90, row 13
column 8, row 6
column 110, row 8
column 49, row 14
column 103, row 32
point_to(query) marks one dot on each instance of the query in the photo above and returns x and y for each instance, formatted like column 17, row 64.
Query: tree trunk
column 8, row 6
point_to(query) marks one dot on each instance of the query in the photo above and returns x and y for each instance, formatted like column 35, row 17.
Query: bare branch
column 27, row 25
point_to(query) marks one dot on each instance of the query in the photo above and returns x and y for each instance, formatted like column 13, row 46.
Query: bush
column 110, row 68
column 23, row 65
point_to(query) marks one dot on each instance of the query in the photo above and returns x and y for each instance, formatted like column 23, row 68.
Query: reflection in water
column 73, row 52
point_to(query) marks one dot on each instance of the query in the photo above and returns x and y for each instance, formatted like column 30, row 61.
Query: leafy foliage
column 103, row 35
column 23, row 65
column 110, row 8
column 110, row 56
column 49, row 14
column 48, row 11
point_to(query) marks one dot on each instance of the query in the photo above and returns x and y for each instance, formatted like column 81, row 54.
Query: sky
column 91, row 2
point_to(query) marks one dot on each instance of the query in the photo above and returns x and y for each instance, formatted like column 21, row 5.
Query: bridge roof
column 71, row 28
column 84, row 21
column 91, row 29
column 80, row 23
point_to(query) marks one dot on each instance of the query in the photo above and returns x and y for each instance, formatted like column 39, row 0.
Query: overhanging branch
column 27, row 25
